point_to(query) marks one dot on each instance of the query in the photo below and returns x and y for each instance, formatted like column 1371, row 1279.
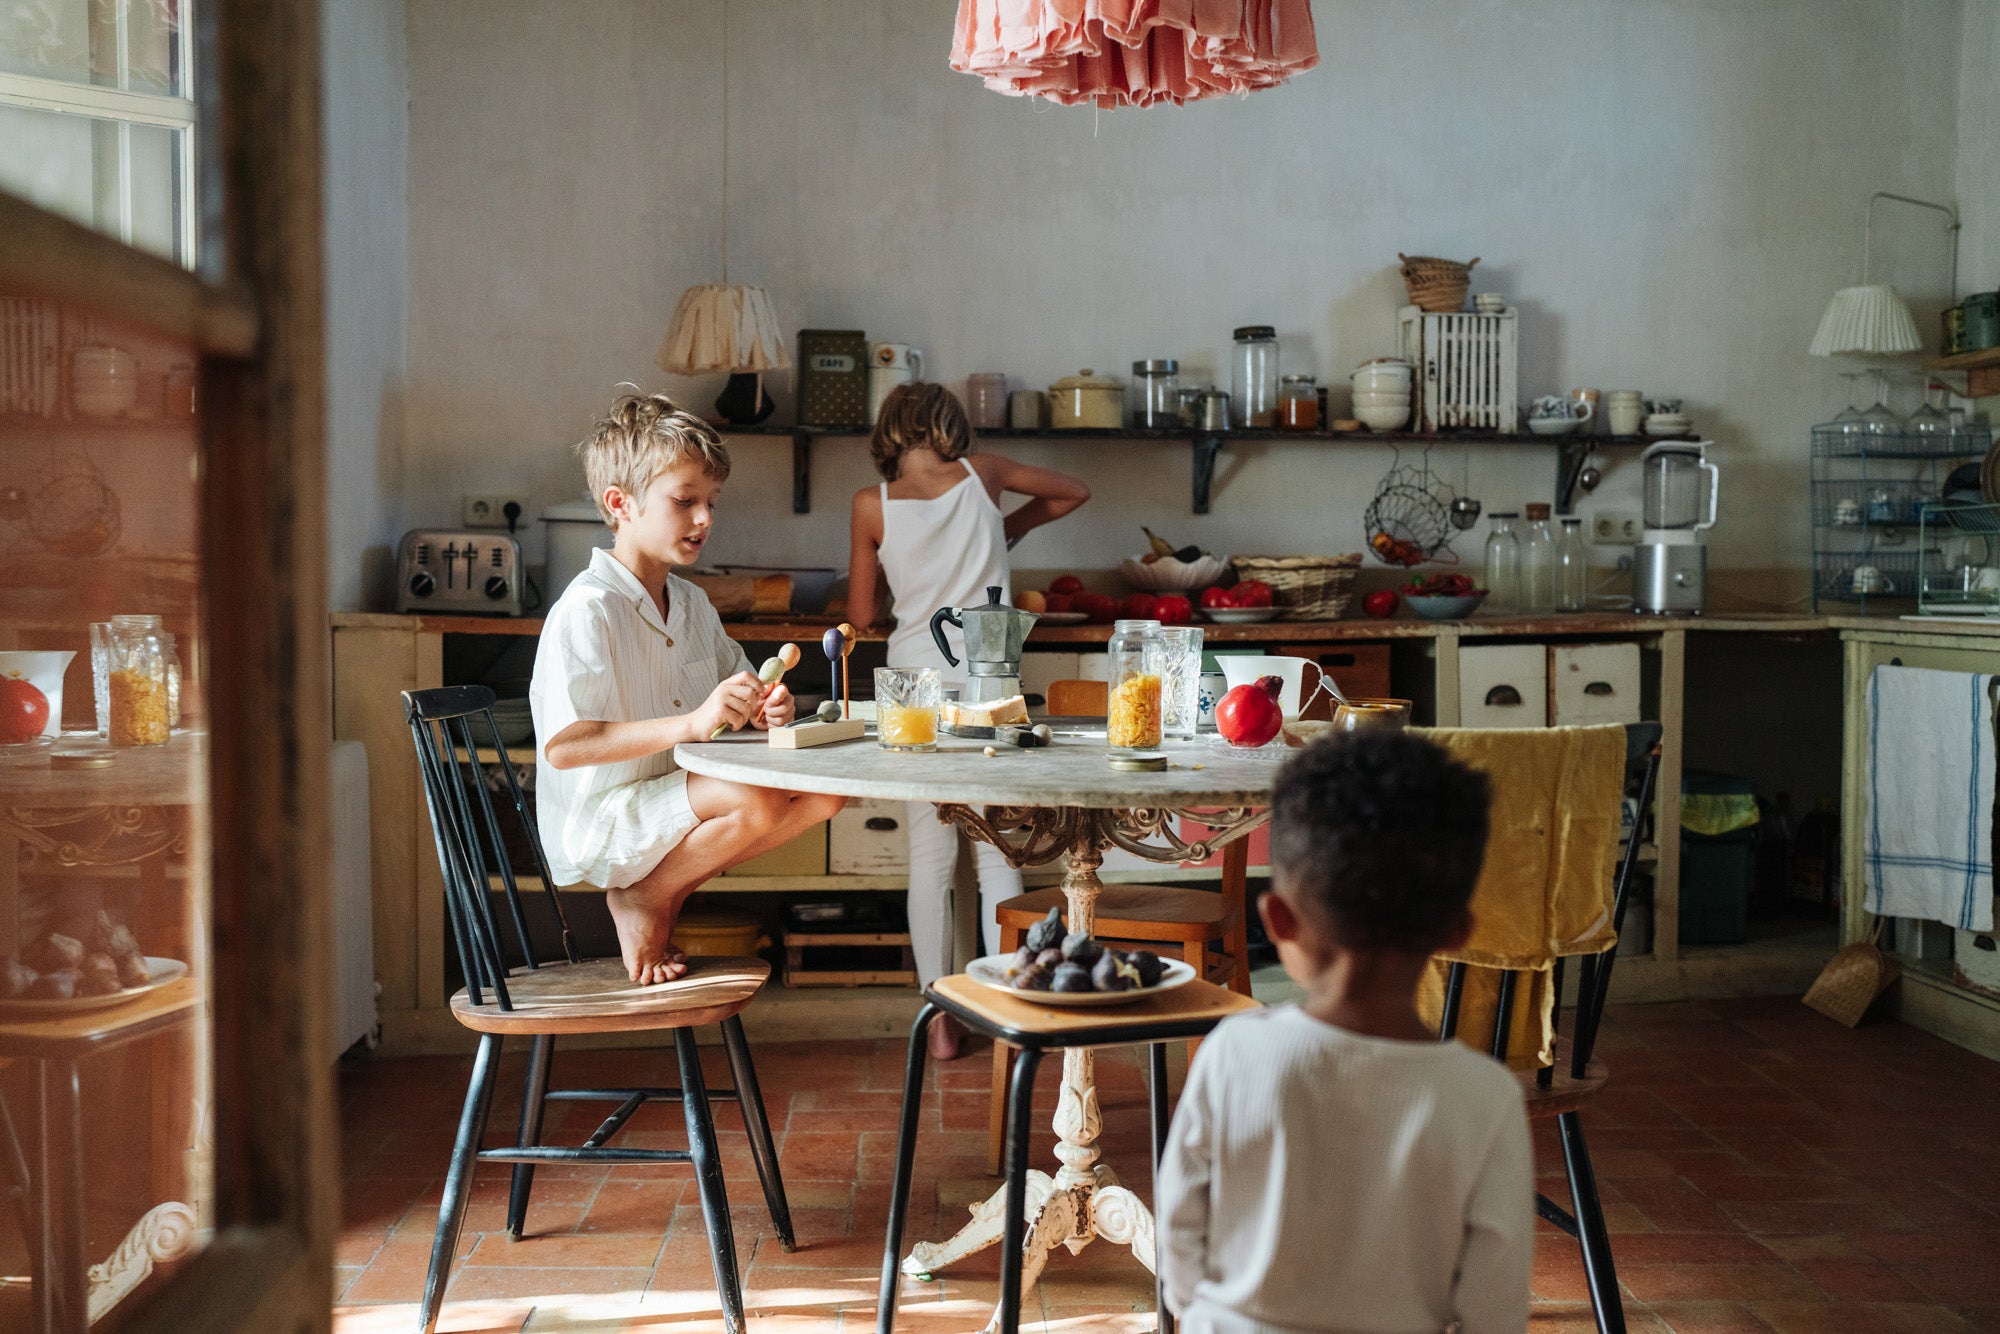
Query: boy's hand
column 779, row 706
column 731, row 704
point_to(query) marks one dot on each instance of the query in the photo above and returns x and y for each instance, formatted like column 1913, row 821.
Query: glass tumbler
column 906, row 707
column 100, row 674
column 1180, row 682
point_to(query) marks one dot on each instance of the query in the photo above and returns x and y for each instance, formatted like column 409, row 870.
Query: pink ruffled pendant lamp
column 1133, row 53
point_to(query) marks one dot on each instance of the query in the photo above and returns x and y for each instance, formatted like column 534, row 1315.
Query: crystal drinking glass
column 906, row 707
column 1180, row 682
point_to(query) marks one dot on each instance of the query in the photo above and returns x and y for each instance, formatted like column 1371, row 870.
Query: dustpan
column 1853, row 980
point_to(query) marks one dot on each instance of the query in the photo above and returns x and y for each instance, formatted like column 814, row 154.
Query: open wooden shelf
column 1981, row 370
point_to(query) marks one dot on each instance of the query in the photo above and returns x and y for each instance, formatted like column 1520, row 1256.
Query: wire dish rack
column 1963, row 578
column 1869, row 492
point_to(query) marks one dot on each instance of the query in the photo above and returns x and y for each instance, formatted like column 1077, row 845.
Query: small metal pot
column 1215, row 410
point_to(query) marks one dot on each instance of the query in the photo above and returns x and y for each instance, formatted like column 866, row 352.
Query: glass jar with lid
column 1155, row 396
column 1298, row 403
column 1253, row 398
column 1541, row 562
column 1573, row 576
column 1133, row 722
column 1503, row 564
column 137, row 684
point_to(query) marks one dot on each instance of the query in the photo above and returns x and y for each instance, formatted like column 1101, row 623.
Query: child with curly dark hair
column 1332, row 1165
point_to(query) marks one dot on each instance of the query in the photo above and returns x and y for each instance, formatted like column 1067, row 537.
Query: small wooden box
column 849, row 959
column 833, row 377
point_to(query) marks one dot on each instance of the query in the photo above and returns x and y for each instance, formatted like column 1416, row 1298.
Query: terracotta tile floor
column 1761, row 1167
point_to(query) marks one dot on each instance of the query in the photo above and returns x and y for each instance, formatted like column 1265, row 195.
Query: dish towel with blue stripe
column 1927, row 840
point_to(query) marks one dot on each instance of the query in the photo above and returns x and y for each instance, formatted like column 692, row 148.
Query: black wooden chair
column 543, row 997
column 1562, row 1090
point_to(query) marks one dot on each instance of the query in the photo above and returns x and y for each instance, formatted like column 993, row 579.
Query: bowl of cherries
column 1246, row 602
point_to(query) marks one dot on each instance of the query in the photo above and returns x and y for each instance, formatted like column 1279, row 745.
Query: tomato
column 1253, row 593
column 1101, row 608
column 1058, row 602
column 1174, row 610
column 1249, row 715
column 1217, row 597
column 1381, row 604
column 1066, row 583
column 24, row 711
column 1140, row 607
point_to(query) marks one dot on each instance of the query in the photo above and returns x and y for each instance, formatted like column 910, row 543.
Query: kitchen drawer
column 1503, row 685
column 869, row 838
column 1593, row 683
column 1360, row 670
column 804, row 855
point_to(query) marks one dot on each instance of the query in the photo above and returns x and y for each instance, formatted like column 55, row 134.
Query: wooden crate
column 840, row 973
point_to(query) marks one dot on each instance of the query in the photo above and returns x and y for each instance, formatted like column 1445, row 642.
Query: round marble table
column 1036, row 806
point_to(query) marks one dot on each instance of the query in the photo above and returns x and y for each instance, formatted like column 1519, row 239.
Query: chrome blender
column 1670, row 564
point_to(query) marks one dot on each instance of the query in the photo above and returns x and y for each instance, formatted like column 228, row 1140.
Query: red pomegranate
column 1249, row 715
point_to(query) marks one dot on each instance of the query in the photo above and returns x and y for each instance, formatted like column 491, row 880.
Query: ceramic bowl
column 1444, row 609
column 1376, row 398
column 1668, row 423
column 1383, row 375
column 1167, row 575
column 1384, row 418
column 1553, row 425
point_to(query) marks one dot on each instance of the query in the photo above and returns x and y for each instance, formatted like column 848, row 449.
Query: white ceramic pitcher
column 1242, row 670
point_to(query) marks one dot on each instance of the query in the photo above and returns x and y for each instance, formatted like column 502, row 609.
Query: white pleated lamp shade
column 723, row 327
column 1866, row 321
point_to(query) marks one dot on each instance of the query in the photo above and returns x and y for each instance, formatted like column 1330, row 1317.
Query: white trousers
column 933, row 862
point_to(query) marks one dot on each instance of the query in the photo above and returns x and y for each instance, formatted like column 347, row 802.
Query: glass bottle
column 1133, row 720
column 1503, row 565
column 1155, row 394
column 1540, row 562
column 140, row 714
column 1298, row 403
column 1573, row 574
column 1253, row 399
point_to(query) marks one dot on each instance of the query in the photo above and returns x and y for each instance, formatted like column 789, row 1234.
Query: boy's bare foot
column 644, row 930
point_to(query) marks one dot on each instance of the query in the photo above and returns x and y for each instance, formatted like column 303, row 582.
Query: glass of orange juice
column 906, row 707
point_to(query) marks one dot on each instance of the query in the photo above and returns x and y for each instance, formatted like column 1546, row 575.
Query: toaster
column 452, row 572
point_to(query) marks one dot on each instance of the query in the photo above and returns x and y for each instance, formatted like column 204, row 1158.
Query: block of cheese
column 992, row 713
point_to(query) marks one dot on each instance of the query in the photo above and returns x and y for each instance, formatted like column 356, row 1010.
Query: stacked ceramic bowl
column 515, row 721
column 1382, row 393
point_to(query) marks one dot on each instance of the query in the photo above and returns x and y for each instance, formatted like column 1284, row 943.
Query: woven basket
column 1436, row 285
column 1304, row 588
column 1853, row 979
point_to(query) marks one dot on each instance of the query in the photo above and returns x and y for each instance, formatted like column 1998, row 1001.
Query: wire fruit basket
column 1409, row 520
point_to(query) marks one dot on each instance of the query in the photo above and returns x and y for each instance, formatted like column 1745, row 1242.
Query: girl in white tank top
column 934, row 532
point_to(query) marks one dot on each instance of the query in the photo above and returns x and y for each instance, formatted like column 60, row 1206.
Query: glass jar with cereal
column 1138, row 653
column 138, row 683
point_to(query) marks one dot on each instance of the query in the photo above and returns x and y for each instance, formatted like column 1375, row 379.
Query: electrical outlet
column 490, row 511
column 1614, row 528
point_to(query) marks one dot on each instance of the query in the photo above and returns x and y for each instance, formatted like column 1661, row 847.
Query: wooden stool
column 1171, row 919
column 1185, row 1012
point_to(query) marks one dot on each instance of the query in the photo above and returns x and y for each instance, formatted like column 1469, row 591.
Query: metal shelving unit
column 1868, row 492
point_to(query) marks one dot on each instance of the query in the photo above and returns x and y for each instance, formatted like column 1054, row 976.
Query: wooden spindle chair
column 546, row 995
column 1561, row 1091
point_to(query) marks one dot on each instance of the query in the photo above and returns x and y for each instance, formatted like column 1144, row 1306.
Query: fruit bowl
column 1444, row 608
column 991, row 971
column 1167, row 575
column 1241, row 615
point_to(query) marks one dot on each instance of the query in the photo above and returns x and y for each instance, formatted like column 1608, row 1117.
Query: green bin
column 1718, row 856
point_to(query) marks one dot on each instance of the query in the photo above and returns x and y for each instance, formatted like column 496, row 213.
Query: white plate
column 163, row 971
column 1241, row 615
column 1062, row 617
column 991, row 971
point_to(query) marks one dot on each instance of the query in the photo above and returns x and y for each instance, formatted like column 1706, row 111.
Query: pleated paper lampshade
column 1866, row 321
column 723, row 327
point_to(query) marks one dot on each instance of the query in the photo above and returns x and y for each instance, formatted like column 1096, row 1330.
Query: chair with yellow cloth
column 1554, row 886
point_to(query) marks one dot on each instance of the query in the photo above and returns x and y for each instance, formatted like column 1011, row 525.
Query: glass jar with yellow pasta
column 1138, row 653
column 137, row 683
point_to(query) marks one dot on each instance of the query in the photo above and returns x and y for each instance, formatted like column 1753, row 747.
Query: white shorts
column 625, row 832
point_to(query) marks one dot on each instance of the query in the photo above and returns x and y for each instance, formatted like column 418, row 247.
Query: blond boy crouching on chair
column 634, row 661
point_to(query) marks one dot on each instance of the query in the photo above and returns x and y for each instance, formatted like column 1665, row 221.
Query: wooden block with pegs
column 812, row 732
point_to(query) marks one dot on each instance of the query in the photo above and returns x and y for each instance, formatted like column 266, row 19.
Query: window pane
column 119, row 178
column 104, row 869
column 131, row 44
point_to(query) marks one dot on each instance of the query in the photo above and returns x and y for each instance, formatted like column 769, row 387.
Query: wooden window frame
column 255, row 310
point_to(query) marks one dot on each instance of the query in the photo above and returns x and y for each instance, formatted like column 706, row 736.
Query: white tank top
column 942, row 552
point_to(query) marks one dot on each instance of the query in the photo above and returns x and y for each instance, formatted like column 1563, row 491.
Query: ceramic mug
column 1245, row 669
column 1625, row 415
column 986, row 400
column 1214, row 685
column 1588, row 398
column 1025, row 411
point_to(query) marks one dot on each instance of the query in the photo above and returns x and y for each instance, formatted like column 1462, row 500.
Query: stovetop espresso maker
column 994, row 634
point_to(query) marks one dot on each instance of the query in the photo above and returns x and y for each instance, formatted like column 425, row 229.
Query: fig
column 1070, row 977
column 1049, row 959
column 1148, row 966
column 1020, row 960
column 1047, row 933
column 1032, row 978
column 54, row 953
column 57, row 985
column 1112, row 973
column 1079, row 948
column 100, row 976
column 133, row 971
